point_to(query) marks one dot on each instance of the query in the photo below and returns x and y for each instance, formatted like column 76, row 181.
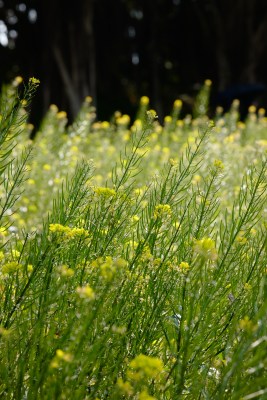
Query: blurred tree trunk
column 223, row 62
column 237, row 30
column 213, row 28
column 256, row 34
column 69, row 52
column 154, row 54
column 89, row 41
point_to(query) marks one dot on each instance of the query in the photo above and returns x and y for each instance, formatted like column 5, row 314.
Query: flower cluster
column 68, row 233
column 109, row 267
column 143, row 368
column 162, row 210
column 206, row 249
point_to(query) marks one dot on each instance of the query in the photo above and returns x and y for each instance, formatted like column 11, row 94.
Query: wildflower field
column 133, row 260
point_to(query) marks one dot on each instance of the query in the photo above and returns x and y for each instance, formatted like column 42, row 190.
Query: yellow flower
column 34, row 81
column 241, row 239
column 74, row 149
column 137, row 124
column 247, row 286
column 206, row 248
column 146, row 254
column 184, row 266
column 105, row 192
column 246, row 324
column 78, row 232
column 252, row 109
column 165, row 150
column 176, row 224
column 135, row 218
column 29, row 268
column 65, row 271
column 126, row 136
column 124, row 387
column 47, row 167
column 53, row 108
column 173, row 162
column 18, row 80
column 58, row 228
column 236, row 103
column 57, row 181
column 67, row 232
column 218, row 164
column 123, row 120
column 196, row 179
column 261, row 112
column 109, row 267
column 30, row 127
column 229, row 139
column 178, row 103
column 208, row 82
column 60, row 356
column 4, row 333
column 63, row 356
column 144, row 101
column 145, row 396
column 219, row 110
column 180, row 123
column 144, row 367
column 105, row 125
column 138, row 191
column 241, row 125
column 162, row 210
column 253, row 231
column 11, row 267
column 15, row 253
column 167, row 119
column 3, row 231
column 86, row 292
column 61, row 115
column 152, row 115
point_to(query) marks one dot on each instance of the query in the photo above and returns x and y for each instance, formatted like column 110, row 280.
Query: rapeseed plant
column 143, row 367
column 133, row 255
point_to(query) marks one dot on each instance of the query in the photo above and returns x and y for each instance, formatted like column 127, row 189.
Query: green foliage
column 133, row 260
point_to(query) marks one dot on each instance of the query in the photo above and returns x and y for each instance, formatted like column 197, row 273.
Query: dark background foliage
column 119, row 50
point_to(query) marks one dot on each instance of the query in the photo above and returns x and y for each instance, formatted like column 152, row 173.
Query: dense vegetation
column 133, row 255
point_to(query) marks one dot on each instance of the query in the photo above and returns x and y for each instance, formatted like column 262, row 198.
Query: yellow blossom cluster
column 143, row 367
column 162, row 210
column 105, row 192
column 68, row 233
column 109, row 267
column 206, row 248
column 184, row 267
column 10, row 267
column 86, row 292
column 61, row 356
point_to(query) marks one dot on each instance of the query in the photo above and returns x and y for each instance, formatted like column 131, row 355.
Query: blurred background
column 119, row 50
